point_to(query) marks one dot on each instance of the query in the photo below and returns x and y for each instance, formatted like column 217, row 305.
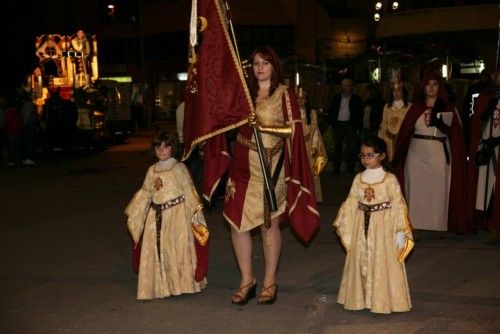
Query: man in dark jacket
column 373, row 110
column 345, row 115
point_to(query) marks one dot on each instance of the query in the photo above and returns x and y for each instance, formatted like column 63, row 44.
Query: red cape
column 476, row 220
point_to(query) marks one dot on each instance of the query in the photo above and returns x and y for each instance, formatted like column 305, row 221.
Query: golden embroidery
column 158, row 184
column 393, row 122
column 200, row 232
column 427, row 117
column 369, row 194
column 230, row 190
column 406, row 250
column 496, row 118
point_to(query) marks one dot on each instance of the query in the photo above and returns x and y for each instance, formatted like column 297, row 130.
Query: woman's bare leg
column 271, row 245
column 242, row 246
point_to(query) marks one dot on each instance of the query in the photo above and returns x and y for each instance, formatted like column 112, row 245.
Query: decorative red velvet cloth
column 216, row 98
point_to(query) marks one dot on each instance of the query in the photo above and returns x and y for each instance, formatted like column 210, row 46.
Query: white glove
column 400, row 240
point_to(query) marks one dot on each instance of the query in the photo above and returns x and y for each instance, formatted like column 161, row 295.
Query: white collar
column 165, row 164
column 398, row 103
column 373, row 175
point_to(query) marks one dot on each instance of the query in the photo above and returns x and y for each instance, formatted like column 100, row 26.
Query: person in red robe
column 433, row 179
column 483, row 196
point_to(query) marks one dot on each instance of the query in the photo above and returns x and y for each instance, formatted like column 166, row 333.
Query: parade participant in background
column 483, row 165
column 60, row 117
column 487, row 193
column 279, row 124
column 13, row 130
column 373, row 226
column 179, row 122
column 430, row 161
column 393, row 115
column 345, row 115
column 373, row 107
column 314, row 141
column 29, row 114
column 165, row 218
column 53, row 118
column 469, row 107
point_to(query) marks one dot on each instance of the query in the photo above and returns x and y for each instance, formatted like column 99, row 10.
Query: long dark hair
column 379, row 146
column 442, row 103
column 308, row 110
column 270, row 55
column 405, row 96
column 307, row 105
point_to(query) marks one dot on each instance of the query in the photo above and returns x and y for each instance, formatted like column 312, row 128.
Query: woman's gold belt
column 269, row 151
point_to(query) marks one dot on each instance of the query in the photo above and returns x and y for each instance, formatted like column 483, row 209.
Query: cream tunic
column 315, row 149
column 391, row 122
column 427, row 178
column 269, row 113
column 174, row 274
column 486, row 174
column 373, row 278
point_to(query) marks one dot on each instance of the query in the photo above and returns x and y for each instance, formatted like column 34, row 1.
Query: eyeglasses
column 368, row 155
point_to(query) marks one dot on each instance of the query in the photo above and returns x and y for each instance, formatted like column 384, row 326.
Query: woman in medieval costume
column 483, row 165
column 393, row 115
column 277, row 117
column 314, row 141
column 430, row 161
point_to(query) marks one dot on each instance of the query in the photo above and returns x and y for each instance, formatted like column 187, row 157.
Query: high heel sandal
column 240, row 297
column 266, row 297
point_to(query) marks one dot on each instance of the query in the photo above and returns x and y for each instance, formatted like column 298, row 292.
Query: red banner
column 217, row 98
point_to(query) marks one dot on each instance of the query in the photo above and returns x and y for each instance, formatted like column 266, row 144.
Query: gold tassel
column 406, row 250
column 200, row 232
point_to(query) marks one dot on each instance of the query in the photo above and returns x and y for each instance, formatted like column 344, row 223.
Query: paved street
column 65, row 264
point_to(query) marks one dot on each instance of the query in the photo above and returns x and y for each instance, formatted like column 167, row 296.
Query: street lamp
column 382, row 8
column 379, row 5
column 111, row 10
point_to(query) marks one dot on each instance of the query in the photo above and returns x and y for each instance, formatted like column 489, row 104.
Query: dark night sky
column 18, row 47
